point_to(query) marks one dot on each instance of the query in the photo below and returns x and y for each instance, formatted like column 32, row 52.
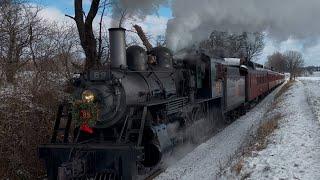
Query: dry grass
column 270, row 124
column 265, row 130
column 245, row 176
column 238, row 167
column 284, row 89
column 26, row 118
column 259, row 143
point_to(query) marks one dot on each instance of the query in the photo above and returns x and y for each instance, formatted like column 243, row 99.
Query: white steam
column 124, row 9
column 195, row 19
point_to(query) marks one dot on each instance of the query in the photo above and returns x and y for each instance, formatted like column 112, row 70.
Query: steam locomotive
column 124, row 119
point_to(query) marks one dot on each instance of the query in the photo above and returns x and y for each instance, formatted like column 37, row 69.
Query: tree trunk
column 85, row 30
column 11, row 59
column 10, row 72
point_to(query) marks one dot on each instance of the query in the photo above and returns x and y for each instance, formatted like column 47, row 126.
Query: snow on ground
column 315, row 74
column 29, row 87
column 312, row 86
column 312, row 79
column 208, row 159
column 293, row 151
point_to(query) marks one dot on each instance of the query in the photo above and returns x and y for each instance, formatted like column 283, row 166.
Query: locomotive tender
column 128, row 116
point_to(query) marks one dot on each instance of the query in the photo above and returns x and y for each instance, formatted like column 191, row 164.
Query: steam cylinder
column 117, row 48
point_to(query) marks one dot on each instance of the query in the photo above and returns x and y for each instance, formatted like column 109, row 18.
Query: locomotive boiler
column 122, row 119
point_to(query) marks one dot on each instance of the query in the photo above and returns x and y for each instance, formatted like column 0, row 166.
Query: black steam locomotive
column 123, row 119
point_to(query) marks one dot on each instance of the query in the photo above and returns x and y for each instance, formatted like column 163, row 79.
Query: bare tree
column 245, row 45
column 17, row 21
column 2, row 45
column 67, row 48
column 277, row 61
column 86, row 32
column 253, row 44
column 295, row 63
column 218, row 44
column 54, row 49
column 123, row 17
column 161, row 40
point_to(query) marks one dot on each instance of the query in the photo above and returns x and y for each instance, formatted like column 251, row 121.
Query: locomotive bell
column 118, row 48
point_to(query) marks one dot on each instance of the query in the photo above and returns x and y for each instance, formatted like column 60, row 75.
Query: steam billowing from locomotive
column 136, row 8
column 194, row 20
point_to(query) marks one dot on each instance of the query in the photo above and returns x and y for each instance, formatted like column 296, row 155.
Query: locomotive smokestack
column 117, row 48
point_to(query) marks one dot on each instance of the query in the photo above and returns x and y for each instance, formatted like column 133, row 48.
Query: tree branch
column 100, row 31
column 70, row 16
column 93, row 11
column 87, row 38
column 79, row 17
column 122, row 18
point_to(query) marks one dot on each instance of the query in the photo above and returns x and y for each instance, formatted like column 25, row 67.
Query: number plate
column 85, row 114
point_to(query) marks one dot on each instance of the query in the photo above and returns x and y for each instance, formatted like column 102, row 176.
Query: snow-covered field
column 312, row 87
column 315, row 74
column 208, row 159
column 293, row 150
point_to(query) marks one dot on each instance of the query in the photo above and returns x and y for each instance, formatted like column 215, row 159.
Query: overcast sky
column 156, row 25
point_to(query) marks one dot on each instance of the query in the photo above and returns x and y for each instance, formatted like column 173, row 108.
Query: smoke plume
column 194, row 20
column 123, row 9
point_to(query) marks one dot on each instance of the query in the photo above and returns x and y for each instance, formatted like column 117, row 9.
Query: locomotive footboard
column 90, row 161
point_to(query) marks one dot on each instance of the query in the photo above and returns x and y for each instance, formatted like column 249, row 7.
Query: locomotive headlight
column 88, row 96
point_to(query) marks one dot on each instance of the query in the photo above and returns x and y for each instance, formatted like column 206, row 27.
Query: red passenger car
column 257, row 83
column 260, row 81
column 275, row 79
